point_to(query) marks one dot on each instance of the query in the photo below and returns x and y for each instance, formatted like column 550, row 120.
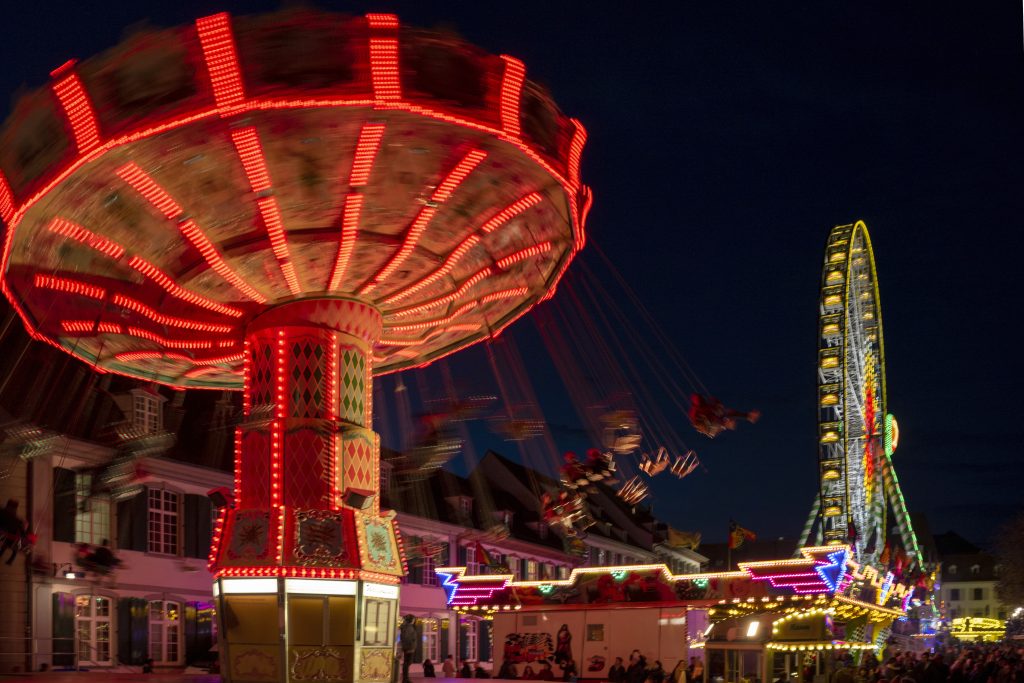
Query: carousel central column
column 305, row 555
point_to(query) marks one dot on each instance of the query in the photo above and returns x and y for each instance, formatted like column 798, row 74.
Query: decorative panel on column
column 308, row 377
column 255, row 485
column 356, row 467
column 307, row 481
column 353, row 385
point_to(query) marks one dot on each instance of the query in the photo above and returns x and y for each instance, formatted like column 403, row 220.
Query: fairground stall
column 793, row 619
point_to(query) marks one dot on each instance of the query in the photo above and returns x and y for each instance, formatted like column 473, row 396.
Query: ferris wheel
column 856, row 434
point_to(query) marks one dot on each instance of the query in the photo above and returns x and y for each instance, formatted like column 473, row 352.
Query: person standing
column 407, row 637
column 448, row 668
column 428, row 668
column 617, row 674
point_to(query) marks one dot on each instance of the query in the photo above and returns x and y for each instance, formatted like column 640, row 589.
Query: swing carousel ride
column 288, row 205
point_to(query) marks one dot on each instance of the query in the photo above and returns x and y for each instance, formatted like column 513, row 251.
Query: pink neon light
column 6, row 199
column 442, row 193
column 511, row 90
column 255, row 164
column 174, row 289
column 78, row 109
column 523, row 254
column 170, row 321
column 370, row 137
column 61, row 284
column 221, row 59
column 349, row 232
column 384, row 59
column 86, row 237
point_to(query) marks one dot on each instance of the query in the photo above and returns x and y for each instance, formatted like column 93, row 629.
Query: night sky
column 726, row 139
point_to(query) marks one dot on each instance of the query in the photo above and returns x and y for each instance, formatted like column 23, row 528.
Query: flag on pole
column 738, row 534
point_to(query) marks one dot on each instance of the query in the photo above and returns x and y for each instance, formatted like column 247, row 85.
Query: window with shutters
column 164, row 631
column 470, row 628
column 92, row 513
column 563, row 571
column 163, row 522
column 531, row 570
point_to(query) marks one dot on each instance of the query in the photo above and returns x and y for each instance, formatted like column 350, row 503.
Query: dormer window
column 975, row 569
column 952, row 570
column 465, row 505
column 504, row 517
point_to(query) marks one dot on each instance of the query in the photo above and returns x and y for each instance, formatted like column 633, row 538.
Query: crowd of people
column 956, row 663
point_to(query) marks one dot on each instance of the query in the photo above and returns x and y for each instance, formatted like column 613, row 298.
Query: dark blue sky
column 725, row 140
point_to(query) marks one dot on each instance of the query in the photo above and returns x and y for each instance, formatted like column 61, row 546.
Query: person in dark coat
column 617, row 674
column 407, row 638
column 637, row 671
column 428, row 669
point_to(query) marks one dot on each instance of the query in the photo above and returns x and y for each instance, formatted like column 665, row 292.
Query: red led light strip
column 332, row 416
column 387, row 87
column 434, row 323
column 62, row 284
column 504, row 294
column 349, row 233
column 250, row 151
column 441, row 194
column 478, row 277
column 579, row 139
column 502, row 217
column 158, row 197
column 86, row 237
column 77, row 108
column 6, row 199
column 523, row 254
column 221, row 59
column 169, row 343
column 511, row 91
column 370, row 137
column 161, row 355
column 176, row 290
column 114, row 250
column 170, row 321
column 218, row 529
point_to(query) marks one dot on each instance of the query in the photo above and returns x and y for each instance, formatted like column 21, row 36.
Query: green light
column 700, row 583
column 892, row 434
column 546, row 589
column 619, row 575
